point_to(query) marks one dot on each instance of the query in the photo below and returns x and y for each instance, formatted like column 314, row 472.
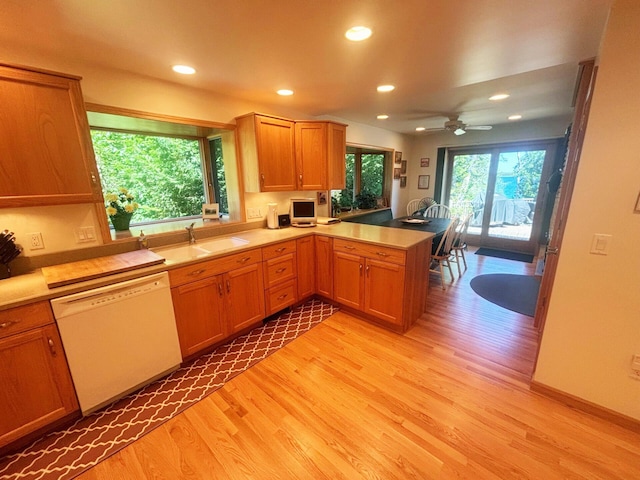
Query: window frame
column 104, row 117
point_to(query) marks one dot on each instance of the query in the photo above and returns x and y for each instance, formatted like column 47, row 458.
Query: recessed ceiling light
column 184, row 69
column 386, row 88
column 382, row 117
column 357, row 34
column 285, row 92
column 499, row 96
column 514, row 117
column 420, row 129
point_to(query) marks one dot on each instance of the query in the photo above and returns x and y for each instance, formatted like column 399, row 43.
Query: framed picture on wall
column 403, row 167
column 396, row 173
column 424, row 162
column 403, row 181
column 398, row 157
column 423, row 181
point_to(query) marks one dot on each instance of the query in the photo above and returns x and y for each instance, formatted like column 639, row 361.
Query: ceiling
column 443, row 57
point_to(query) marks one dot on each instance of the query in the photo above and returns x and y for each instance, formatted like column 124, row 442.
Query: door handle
column 552, row 250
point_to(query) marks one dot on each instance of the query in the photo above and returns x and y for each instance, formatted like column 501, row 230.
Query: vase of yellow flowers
column 120, row 207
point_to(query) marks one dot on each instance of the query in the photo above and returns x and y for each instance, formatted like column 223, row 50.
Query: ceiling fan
column 458, row 127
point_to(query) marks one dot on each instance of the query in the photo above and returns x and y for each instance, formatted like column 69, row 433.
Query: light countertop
column 31, row 287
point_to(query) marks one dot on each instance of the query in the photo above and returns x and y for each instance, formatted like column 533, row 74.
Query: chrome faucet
column 143, row 242
column 192, row 237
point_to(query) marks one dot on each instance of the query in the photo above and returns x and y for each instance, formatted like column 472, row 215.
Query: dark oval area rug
column 518, row 293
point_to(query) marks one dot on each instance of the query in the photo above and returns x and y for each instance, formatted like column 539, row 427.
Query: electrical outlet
column 36, row 242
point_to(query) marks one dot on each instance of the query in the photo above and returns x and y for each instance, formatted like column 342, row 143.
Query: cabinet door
column 324, row 266
column 337, row 150
column 311, row 155
column 198, row 314
column 384, row 290
column 244, row 297
column 35, row 383
column 348, row 279
column 276, row 157
column 46, row 157
column 306, row 260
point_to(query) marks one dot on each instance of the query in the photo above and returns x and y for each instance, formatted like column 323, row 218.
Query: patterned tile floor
column 67, row 453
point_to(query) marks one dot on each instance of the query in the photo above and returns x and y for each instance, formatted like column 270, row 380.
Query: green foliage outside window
column 164, row 173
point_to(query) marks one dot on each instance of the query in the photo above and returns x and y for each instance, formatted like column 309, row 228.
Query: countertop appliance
column 118, row 338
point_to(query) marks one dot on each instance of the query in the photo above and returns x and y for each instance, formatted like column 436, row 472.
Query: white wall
column 593, row 322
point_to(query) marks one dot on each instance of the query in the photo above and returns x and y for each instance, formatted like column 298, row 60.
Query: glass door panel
column 515, row 194
column 469, row 181
column 500, row 186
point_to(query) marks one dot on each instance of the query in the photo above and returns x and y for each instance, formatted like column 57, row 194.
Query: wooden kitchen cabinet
column 280, row 275
column 282, row 155
column 46, row 154
column 387, row 285
column 324, row 266
column 267, row 149
column 36, row 389
column 216, row 299
column 306, row 263
column 320, row 155
column 198, row 311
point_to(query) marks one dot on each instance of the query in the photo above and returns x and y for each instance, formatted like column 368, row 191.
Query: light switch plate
column 600, row 244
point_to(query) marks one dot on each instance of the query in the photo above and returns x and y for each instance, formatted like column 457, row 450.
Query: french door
column 501, row 187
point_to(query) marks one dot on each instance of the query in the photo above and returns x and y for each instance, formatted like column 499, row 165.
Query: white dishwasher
column 118, row 338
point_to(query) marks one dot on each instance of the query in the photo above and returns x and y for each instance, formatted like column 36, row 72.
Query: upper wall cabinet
column 283, row 155
column 46, row 157
column 267, row 150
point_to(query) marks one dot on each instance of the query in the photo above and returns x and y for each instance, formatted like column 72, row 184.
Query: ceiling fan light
column 459, row 131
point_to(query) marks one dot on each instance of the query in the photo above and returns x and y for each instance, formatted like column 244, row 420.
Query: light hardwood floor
column 347, row 400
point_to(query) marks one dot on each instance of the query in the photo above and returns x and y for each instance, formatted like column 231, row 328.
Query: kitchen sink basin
column 217, row 244
column 183, row 253
column 201, row 249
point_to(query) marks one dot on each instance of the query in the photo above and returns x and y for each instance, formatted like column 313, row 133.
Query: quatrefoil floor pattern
column 67, row 453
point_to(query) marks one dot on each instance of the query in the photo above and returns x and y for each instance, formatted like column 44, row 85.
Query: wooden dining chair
column 438, row 210
column 459, row 244
column 441, row 254
column 412, row 206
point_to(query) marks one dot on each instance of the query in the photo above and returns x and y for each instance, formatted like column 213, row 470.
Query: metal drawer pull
column 367, row 270
column 244, row 259
column 52, row 346
column 382, row 254
column 360, row 269
column 281, row 249
column 282, row 297
column 349, row 247
column 280, row 270
column 197, row 272
column 220, row 289
column 228, row 286
column 8, row 324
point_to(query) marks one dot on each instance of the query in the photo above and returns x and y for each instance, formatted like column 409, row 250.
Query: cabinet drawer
column 279, row 269
column 20, row 319
column 281, row 296
column 207, row 268
column 278, row 249
column 370, row 250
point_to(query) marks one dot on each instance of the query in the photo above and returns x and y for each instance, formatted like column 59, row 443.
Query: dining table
column 416, row 222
